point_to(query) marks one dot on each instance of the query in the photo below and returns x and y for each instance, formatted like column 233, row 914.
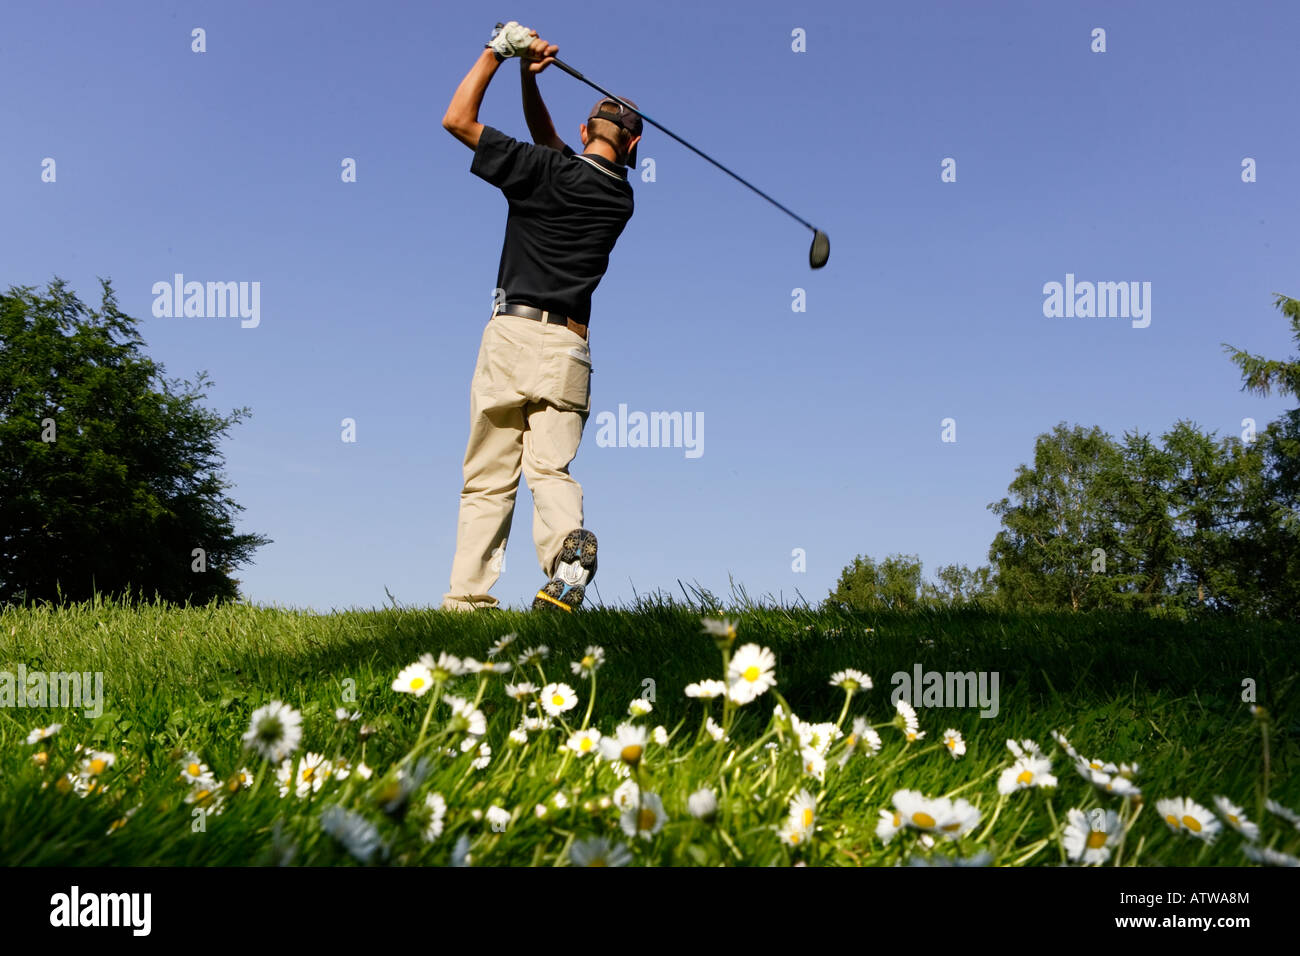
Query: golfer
column 531, row 392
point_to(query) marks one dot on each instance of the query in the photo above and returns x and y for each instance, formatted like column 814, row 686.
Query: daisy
column 598, row 851
column 444, row 667
column 193, row 769
column 518, row 737
column 749, row 674
column 1236, row 818
column 95, row 763
column 703, row 804
column 624, row 797
column 534, row 724
column 851, row 681
column 1098, row 766
column 714, row 729
column 534, row 655
column 1114, row 785
column 723, row 631
column 1091, row 835
column 590, row 662
column 891, row 821
column 240, row 781
column 484, row 756
column 1184, row 814
column 558, row 698
column 358, row 835
column 502, row 644
column 414, row 679
column 906, row 719
column 206, row 793
column 803, row 810
column 706, row 689
column 1286, row 813
column 645, row 821
column 793, row 835
column 498, row 818
column 626, row 744
column 639, row 707
column 918, row 811
column 465, row 717
column 583, row 742
column 660, row 736
column 342, row 715
column 1025, row 774
column 862, row 736
column 43, row 733
column 521, row 691
column 814, row 764
column 437, row 807
column 1025, row 749
column 490, row 667
column 313, row 771
column 816, row 737
column 952, row 739
column 275, row 731
column 1065, row 744
column 959, row 818
column 1270, row 857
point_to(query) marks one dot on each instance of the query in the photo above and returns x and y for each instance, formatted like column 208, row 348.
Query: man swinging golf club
column 531, row 392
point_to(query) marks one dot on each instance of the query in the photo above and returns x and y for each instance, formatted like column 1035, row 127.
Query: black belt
column 541, row 315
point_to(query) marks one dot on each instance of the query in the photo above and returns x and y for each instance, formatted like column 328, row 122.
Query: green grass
column 1165, row 694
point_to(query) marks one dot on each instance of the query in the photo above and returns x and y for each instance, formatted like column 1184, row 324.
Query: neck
column 598, row 147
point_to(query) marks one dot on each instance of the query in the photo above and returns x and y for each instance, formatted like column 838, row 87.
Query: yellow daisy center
column 898, row 821
column 794, row 837
column 923, row 820
column 585, row 745
column 308, row 773
column 557, row 700
column 853, row 741
column 589, row 662
column 807, row 817
column 750, row 673
column 599, row 861
column 1192, row 824
column 417, row 683
column 631, row 753
column 1096, row 839
column 1026, row 777
column 1233, row 820
column 645, row 820
column 950, row 827
column 98, row 765
column 951, row 742
column 193, row 770
column 1172, row 821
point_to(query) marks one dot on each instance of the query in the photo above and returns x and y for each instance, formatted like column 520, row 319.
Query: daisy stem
column 1056, row 830
column 997, row 811
column 591, row 702
column 844, row 711
column 428, row 715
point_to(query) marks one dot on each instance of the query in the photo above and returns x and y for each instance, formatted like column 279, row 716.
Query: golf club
column 821, row 244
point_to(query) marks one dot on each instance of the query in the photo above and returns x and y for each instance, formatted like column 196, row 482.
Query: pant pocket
column 575, row 379
column 498, row 360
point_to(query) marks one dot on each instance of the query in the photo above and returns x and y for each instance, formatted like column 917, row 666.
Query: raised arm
column 539, row 57
column 461, row 118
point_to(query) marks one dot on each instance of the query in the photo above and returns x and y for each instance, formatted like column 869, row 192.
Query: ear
column 632, row 145
column 582, row 133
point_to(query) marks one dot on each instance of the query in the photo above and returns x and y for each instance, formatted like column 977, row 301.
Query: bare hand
column 540, row 54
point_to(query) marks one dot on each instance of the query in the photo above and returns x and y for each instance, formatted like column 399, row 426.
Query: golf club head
column 820, row 251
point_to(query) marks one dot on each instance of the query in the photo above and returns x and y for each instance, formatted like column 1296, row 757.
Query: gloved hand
column 511, row 39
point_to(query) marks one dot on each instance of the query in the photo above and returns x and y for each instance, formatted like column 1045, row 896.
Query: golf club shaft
column 578, row 76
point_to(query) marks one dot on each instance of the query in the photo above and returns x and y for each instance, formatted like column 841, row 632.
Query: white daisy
column 491, row 667
column 437, row 807
column 43, row 733
column 1188, row 816
column 750, row 673
column 793, row 835
column 706, row 689
column 558, row 698
column 343, row 716
column 723, row 631
column 862, row 737
column 703, row 804
column 850, row 680
column 1025, row 774
column 1065, row 744
column 414, row 679
column 465, row 717
column 518, row 737
column 598, row 851
column 1236, row 818
column 814, row 764
column 906, row 719
column 590, row 663
column 803, row 810
column 1024, row 749
column 502, row 644
column 952, row 739
column 1089, row 836
column 660, row 735
column 714, row 729
column 624, row 796
column 626, row 744
column 444, row 667
column 818, row 737
column 891, row 821
column 275, row 731
column 358, row 835
column 521, row 691
column 1270, row 857
column 1286, row 813
column 584, row 742
column 918, row 811
column 498, row 818
column 95, row 763
column 313, row 770
column 484, row 756
column 534, row 655
column 193, row 769
column 639, row 707
column 645, row 821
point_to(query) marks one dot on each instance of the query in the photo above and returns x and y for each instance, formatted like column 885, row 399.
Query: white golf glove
column 510, row 39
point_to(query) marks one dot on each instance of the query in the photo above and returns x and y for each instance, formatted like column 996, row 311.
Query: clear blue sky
column 822, row 428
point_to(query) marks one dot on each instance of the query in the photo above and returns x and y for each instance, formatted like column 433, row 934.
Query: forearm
column 461, row 118
column 535, row 113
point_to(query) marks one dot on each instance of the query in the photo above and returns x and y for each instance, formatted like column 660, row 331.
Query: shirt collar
column 603, row 164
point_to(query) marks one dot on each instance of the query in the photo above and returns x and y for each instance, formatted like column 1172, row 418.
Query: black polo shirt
column 566, row 213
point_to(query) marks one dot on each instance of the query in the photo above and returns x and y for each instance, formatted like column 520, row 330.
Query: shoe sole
column 573, row 572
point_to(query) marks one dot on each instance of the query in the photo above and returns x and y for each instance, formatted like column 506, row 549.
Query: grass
column 1167, row 695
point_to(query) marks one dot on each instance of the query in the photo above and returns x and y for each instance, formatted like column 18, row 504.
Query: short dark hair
column 611, row 133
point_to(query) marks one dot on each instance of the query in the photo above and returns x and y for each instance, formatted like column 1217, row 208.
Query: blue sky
column 822, row 428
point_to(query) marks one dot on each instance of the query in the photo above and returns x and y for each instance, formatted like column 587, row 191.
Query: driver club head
column 820, row 251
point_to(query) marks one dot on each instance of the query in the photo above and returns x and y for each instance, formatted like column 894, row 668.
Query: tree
column 894, row 584
column 110, row 474
column 1055, row 520
column 956, row 585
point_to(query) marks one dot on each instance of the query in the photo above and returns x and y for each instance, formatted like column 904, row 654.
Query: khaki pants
column 528, row 403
